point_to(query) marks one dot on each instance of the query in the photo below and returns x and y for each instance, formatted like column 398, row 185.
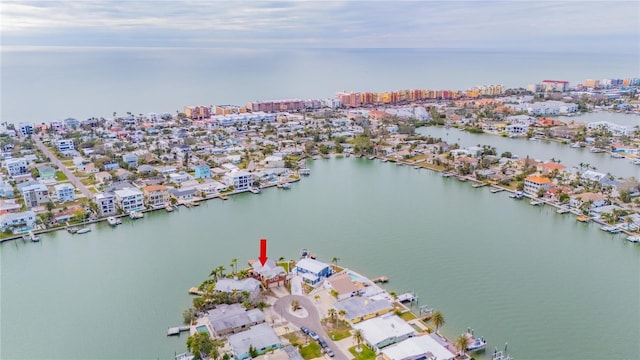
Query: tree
column 50, row 205
column 437, row 319
column 189, row 315
column 295, row 305
column 234, row 266
column 333, row 315
column 200, row 345
column 358, row 337
column 335, row 260
column 253, row 352
column 461, row 343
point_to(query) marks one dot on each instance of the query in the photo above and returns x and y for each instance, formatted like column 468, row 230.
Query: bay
column 548, row 285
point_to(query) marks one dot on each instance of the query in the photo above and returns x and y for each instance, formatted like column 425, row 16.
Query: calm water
column 57, row 83
column 546, row 150
column 548, row 285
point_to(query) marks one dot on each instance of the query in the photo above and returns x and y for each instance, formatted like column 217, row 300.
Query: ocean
column 47, row 84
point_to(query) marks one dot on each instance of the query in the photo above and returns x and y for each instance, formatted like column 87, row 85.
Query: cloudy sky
column 530, row 25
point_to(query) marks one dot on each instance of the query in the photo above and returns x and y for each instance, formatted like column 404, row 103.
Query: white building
column 65, row 145
column 64, row 193
column 23, row 219
column 385, row 330
column 16, row 166
column 106, row 204
column 533, row 184
column 516, row 130
column 35, row 195
column 418, row 347
column 240, row 180
column 129, row 199
column 615, row 129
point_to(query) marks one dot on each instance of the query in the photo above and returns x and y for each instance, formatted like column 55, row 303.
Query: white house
column 34, row 195
column 64, row 193
column 65, row 145
column 312, row 271
column 10, row 220
column 240, row 180
column 106, row 203
column 16, row 166
column 129, row 199
column 418, row 347
column 385, row 330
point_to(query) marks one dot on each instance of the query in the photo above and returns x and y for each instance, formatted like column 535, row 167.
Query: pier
column 177, row 330
column 479, row 185
column 380, row 279
column 496, row 189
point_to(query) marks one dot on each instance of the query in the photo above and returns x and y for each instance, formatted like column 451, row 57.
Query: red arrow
column 263, row 251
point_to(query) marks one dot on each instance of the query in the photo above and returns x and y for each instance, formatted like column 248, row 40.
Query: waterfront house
column 312, row 271
column 64, row 193
column 231, row 318
column 343, row 285
column 202, row 171
column 240, row 180
column 16, row 166
column 358, row 308
column 25, row 219
column 533, row 184
column 384, row 331
column 594, row 200
column 183, row 194
column 230, row 286
column 261, row 337
column 129, row 199
column 428, row 346
column 9, row 206
column 268, row 274
column 34, row 194
column 106, row 203
column 156, row 196
column 46, row 172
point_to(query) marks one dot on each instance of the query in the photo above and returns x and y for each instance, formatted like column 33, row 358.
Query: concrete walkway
column 74, row 180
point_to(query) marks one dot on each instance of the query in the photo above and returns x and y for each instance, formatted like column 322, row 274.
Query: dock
column 380, row 279
column 478, row 185
column 536, row 202
column 407, row 297
column 177, row 330
column 496, row 190
column 194, row 291
column 562, row 210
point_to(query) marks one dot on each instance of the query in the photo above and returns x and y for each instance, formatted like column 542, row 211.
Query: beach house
column 312, row 271
column 385, row 330
column 261, row 337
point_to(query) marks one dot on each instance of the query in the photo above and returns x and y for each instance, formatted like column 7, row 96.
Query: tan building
column 156, row 195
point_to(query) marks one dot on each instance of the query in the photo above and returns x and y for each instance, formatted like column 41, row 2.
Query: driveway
column 74, row 180
column 311, row 321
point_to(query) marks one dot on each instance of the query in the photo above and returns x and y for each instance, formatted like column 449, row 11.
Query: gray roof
column 234, row 316
column 228, row 285
column 357, row 306
column 259, row 336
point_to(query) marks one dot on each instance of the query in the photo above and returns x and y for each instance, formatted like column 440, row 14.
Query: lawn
column 311, row 351
column 338, row 331
column 407, row 316
column 60, row 176
column 67, row 163
column 88, row 181
column 365, row 354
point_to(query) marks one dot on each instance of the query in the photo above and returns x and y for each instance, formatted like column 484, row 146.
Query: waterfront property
column 228, row 319
column 18, row 220
column 129, row 199
column 269, row 274
column 261, row 337
column 232, row 286
column 240, row 180
column 385, row 330
column 419, row 347
column 156, row 196
column 357, row 309
column 534, row 184
column 106, row 203
column 312, row 271
column 343, row 286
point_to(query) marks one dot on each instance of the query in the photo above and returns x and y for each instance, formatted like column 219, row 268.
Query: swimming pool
column 355, row 277
column 202, row 328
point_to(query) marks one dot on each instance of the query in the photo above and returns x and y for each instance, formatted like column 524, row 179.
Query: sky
column 511, row 25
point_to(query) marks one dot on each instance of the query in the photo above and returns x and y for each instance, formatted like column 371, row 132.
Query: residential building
column 65, row 145
column 183, row 194
column 533, row 184
column 269, row 273
column 131, row 160
column 16, row 166
column 197, row 112
column 419, row 347
column 312, row 271
column 240, row 180
column 34, row 195
column 202, row 171
column 359, row 308
column 106, row 203
column 9, row 206
column 274, row 162
column 103, row 177
column 228, row 319
column 129, row 199
column 250, row 285
column 261, row 337
column 385, row 330
column 25, row 219
column 25, row 129
column 179, row 177
column 156, row 195
column 594, row 200
column 64, row 193
column 343, row 286
column 71, row 123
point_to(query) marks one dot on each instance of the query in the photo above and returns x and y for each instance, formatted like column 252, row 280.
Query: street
column 74, row 180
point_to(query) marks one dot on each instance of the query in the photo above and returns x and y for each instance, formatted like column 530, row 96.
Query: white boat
column 83, row 230
column 616, row 155
column 596, row 150
column 536, row 202
column 575, row 145
column 284, row 185
column 33, row 237
column 304, row 171
column 255, row 190
column 136, row 215
column 562, row 210
column 517, row 195
column 168, row 208
column 475, row 343
column 634, row 239
column 113, row 221
column 636, row 162
column 610, row 229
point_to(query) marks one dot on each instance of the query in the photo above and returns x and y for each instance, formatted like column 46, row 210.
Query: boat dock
column 177, row 330
column 380, row 279
column 407, row 297
column 194, row 291
column 536, row 202
column 496, row 190
column 562, row 210
column 479, row 185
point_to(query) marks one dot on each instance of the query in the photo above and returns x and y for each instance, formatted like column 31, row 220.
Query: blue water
column 45, row 85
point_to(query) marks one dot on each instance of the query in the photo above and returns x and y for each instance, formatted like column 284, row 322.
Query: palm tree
column 218, row 272
column 358, row 337
column 333, row 315
column 335, row 260
column 437, row 319
column 234, row 265
column 461, row 343
column 295, row 305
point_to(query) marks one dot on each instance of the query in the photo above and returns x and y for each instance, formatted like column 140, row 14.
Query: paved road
column 74, row 180
column 312, row 321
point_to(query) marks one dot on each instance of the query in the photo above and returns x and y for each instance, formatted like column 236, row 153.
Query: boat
column 72, row 230
column 133, row 215
column 583, row 218
column 636, row 162
column 416, row 167
column 496, row 190
column 371, row 157
column 633, row 238
column 169, row 208
column 611, row 229
column 223, row 197
column 113, row 221
column 562, row 210
column 596, row 150
column 195, row 203
column 517, row 195
column 575, row 145
column 33, row 237
column 284, row 185
column 304, row 171
column 536, row 202
column 385, row 160
column 84, row 230
column 475, row 343
column 616, row 155
column 255, row 190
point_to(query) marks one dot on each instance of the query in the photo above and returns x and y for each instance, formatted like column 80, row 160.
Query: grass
column 67, row 163
column 60, row 176
column 417, row 328
column 88, row 181
column 311, row 351
column 407, row 316
column 365, row 354
column 338, row 331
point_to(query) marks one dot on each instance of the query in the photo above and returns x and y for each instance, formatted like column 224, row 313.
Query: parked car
column 304, row 330
column 322, row 343
column 329, row 352
column 313, row 335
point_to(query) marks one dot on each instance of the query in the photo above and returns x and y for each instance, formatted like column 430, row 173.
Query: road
column 74, row 180
column 312, row 321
